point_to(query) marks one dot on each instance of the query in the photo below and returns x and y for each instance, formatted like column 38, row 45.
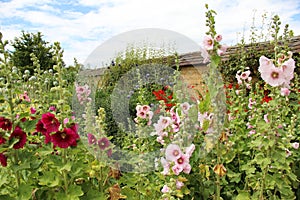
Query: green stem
column 17, row 174
column 65, row 175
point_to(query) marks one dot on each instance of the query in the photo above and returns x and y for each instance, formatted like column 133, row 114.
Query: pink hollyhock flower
column 218, row 38
column 205, row 55
column 173, row 152
column 285, row 91
column 187, row 168
column 3, row 160
column 208, row 42
column 189, row 150
column 288, row 70
column 251, row 103
column 19, row 134
column 52, row 108
column 103, row 143
column 266, row 118
column 295, row 145
column 177, row 169
column 273, row 76
column 142, row 114
column 179, row 185
column 288, row 152
column 64, row 138
column 162, row 123
column 66, row 120
column 83, row 93
column 166, row 166
column 185, row 107
column 222, row 50
column 91, row 138
column 50, row 122
column 24, row 96
column 183, row 160
column 160, row 139
column 146, row 108
column 251, row 132
column 32, row 110
column 245, row 75
column 39, row 127
column 165, row 189
column 264, row 63
column 5, row 124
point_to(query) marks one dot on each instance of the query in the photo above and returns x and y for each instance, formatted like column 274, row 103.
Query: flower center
column 180, row 161
column 176, row 153
column 274, row 75
column 63, row 135
column 209, row 42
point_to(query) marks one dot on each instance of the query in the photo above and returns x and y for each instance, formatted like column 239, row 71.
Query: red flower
column 3, row 160
column 40, row 128
column 21, row 135
column 266, row 99
column 50, row 122
column 65, row 138
column 91, row 138
column 2, row 140
column 5, row 124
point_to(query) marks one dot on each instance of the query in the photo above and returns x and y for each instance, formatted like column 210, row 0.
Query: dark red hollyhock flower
column 74, row 128
column 5, row 124
column 65, row 138
column 21, row 135
column 2, row 140
column 3, row 160
column 103, row 143
column 50, row 122
column 91, row 138
column 266, row 99
column 39, row 127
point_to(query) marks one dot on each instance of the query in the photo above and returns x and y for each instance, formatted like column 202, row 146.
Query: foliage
column 29, row 44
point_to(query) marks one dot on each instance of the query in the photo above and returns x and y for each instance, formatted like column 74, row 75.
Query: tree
column 27, row 44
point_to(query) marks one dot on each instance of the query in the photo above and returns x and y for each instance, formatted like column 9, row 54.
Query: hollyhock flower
column 103, row 143
column 245, row 75
column 288, row 70
column 205, row 55
column 166, row 166
column 50, row 122
column 189, row 150
column 266, row 118
column 179, row 185
column 19, row 134
column 32, row 110
column 264, row 63
column 187, row 168
column 39, row 127
column 142, row 114
column 162, row 123
column 2, row 140
column 222, row 50
column 83, row 93
column 218, row 38
column 251, row 132
column 183, row 160
column 165, row 189
column 3, row 160
column 66, row 120
column 5, row 124
column 288, row 152
column 160, row 139
column 185, row 107
column 91, row 138
column 24, row 96
column 285, row 92
column 295, row 145
column 173, row 152
column 52, row 108
column 64, row 138
column 208, row 42
column 177, row 169
column 251, row 103
column 273, row 76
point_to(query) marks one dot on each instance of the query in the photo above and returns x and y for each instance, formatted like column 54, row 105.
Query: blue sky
column 82, row 25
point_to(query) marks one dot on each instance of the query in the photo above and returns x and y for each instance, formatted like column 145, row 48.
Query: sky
column 83, row 25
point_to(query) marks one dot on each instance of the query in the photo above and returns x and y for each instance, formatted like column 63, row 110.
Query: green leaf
column 243, row 195
column 49, row 179
column 24, row 192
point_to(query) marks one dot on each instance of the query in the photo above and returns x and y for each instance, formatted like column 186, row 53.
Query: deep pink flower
column 173, row 152
column 50, row 122
column 2, row 140
column 91, row 138
column 103, row 143
column 19, row 134
column 32, row 110
column 52, row 108
column 65, row 138
column 5, row 124
column 39, row 127
column 3, row 160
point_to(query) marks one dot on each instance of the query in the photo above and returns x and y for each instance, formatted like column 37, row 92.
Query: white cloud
column 80, row 32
